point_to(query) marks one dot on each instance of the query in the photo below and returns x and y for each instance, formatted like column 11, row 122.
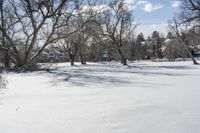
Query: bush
column 33, row 67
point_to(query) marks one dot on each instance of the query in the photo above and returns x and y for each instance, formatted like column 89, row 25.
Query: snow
column 150, row 97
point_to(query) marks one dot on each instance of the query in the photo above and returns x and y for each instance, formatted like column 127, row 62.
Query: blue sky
column 154, row 14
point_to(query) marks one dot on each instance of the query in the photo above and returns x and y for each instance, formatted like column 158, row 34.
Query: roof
column 197, row 46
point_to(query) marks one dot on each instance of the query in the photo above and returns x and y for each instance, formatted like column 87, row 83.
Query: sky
column 153, row 15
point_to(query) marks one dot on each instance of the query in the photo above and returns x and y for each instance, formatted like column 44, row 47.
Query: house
column 107, row 55
column 196, row 51
column 52, row 55
column 57, row 57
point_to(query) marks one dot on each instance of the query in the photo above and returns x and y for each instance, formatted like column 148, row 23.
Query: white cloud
column 130, row 1
column 143, row 4
column 130, row 4
column 175, row 3
column 148, row 6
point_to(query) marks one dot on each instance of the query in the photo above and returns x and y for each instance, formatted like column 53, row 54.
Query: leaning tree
column 182, row 37
column 187, row 18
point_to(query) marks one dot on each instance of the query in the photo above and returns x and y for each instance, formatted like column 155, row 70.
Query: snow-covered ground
column 151, row 97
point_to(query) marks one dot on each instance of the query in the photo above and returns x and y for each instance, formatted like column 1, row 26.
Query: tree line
column 87, row 30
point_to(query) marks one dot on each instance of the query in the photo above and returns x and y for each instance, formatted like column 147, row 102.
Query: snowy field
column 151, row 97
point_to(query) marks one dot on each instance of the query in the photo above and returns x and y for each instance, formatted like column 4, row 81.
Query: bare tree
column 81, row 38
column 189, row 16
column 116, row 24
column 70, row 47
column 32, row 25
column 157, row 42
column 181, row 37
column 77, row 43
column 190, row 12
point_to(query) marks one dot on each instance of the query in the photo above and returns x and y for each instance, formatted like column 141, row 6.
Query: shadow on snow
column 112, row 74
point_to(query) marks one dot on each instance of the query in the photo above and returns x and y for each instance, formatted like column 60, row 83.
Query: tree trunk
column 6, row 60
column 123, row 59
column 82, row 58
column 187, row 49
column 83, row 62
column 72, row 62
column 19, row 63
column 190, row 54
column 6, row 52
column 72, row 58
column 183, row 42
